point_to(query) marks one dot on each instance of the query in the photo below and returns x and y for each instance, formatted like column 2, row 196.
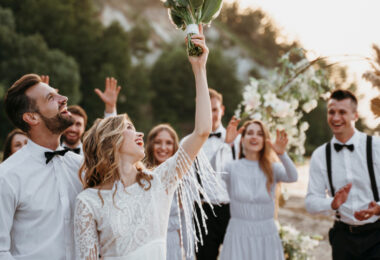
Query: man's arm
column 8, row 206
column 316, row 200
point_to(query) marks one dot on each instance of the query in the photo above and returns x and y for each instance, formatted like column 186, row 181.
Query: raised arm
column 203, row 121
column 109, row 96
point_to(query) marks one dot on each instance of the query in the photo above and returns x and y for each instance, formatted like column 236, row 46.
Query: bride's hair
column 150, row 161
column 266, row 155
column 101, row 144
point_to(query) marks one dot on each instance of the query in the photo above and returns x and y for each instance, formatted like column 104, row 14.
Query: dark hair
column 17, row 102
column 341, row 94
column 77, row 110
column 8, row 142
column 215, row 94
column 149, row 160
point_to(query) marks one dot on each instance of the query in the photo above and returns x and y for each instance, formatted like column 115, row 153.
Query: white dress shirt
column 347, row 167
column 37, row 204
column 218, row 153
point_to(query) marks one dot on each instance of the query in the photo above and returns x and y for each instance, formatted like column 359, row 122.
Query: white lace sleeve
column 191, row 188
column 86, row 235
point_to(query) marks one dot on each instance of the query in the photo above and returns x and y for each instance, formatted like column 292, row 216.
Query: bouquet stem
column 193, row 50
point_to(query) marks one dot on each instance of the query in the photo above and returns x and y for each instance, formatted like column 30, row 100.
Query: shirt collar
column 220, row 129
column 38, row 151
column 353, row 140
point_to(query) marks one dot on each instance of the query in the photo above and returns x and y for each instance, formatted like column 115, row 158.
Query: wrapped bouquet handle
column 188, row 14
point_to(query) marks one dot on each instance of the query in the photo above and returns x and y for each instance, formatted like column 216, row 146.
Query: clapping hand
column 281, row 141
column 110, row 94
column 341, row 196
column 373, row 209
column 232, row 130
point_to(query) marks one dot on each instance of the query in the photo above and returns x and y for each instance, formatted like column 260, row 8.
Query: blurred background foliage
column 77, row 46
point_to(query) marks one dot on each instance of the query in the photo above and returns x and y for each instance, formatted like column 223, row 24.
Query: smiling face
column 18, row 141
column 72, row 135
column 253, row 140
column 51, row 108
column 163, row 146
column 341, row 117
column 133, row 143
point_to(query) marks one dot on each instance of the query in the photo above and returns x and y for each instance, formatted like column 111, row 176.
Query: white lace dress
column 133, row 223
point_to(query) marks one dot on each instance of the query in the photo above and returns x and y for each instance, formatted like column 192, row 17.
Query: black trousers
column 216, row 226
column 354, row 245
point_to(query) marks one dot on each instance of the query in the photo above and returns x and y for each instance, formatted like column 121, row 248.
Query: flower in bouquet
column 188, row 14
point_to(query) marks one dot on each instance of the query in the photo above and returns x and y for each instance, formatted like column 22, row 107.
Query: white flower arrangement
column 281, row 100
column 297, row 246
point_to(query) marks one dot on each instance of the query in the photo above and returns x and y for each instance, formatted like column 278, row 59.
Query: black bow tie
column 49, row 155
column 339, row 147
column 75, row 150
column 218, row 135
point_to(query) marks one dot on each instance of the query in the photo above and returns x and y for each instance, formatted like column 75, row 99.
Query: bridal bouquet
column 280, row 100
column 297, row 246
column 188, row 14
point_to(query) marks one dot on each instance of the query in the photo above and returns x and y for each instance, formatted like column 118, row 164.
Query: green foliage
column 173, row 83
column 257, row 33
column 30, row 54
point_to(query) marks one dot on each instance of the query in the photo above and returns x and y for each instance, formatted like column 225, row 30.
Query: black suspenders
column 369, row 164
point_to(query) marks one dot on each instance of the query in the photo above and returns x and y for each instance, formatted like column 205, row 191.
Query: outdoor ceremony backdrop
column 80, row 42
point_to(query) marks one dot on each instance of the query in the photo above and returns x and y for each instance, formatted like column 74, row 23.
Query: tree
column 173, row 83
column 30, row 54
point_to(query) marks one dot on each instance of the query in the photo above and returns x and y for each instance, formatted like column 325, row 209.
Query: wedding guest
column 218, row 149
column 251, row 181
column 15, row 140
column 72, row 136
column 162, row 143
column 39, row 183
column 124, row 210
column 347, row 169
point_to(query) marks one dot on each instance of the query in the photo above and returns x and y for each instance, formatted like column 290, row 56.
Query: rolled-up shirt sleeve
column 317, row 200
column 8, row 205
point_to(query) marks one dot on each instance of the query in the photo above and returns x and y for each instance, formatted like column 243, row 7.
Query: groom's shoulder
column 319, row 151
column 15, row 162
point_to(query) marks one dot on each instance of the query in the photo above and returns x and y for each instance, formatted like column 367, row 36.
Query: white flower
column 304, row 126
column 281, row 108
column 307, row 107
column 294, row 104
column 251, row 100
column 290, row 233
column 269, row 99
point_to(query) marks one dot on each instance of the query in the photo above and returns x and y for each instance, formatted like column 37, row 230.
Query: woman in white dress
column 251, row 232
column 123, row 212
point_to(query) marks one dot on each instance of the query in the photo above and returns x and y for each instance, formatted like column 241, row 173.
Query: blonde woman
column 251, row 231
column 123, row 212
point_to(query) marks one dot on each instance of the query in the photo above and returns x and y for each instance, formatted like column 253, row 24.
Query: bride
column 123, row 211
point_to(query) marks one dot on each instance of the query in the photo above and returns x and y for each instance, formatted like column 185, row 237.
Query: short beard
column 69, row 142
column 57, row 124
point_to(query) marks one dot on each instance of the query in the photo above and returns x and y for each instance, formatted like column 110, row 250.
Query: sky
column 331, row 28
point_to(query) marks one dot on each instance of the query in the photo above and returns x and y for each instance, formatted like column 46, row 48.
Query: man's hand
column 373, row 209
column 280, row 144
column 232, row 130
column 110, row 94
column 341, row 196
column 199, row 62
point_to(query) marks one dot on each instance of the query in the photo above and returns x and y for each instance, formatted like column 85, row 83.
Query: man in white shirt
column 218, row 150
column 39, row 183
column 348, row 170
column 72, row 136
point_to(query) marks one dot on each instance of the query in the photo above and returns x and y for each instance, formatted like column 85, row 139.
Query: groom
column 39, row 183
